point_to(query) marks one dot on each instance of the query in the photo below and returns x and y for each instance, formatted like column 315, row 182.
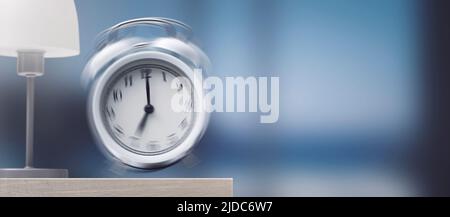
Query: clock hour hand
column 142, row 124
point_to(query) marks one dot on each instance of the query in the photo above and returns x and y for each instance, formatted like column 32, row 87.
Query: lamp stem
column 30, row 64
column 30, row 122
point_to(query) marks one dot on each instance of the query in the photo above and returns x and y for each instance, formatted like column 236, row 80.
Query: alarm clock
column 134, row 79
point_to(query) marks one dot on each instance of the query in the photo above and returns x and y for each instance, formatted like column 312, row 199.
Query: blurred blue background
column 350, row 97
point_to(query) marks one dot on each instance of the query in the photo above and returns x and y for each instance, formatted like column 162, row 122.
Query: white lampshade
column 50, row 26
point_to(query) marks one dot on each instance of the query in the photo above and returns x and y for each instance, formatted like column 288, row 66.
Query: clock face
column 138, row 110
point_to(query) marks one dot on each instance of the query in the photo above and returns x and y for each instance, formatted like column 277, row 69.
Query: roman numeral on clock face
column 119, row 130
column 128, row 80
column 110, row 112
column 145, row 73
column 117, row 95
column 164, row 76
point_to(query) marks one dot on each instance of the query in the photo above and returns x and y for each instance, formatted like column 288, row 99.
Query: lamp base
column 34, row 173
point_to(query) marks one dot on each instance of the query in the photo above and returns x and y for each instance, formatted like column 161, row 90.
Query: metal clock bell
column 133, row 80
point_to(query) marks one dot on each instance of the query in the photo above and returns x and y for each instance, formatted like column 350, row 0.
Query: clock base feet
column 34, row 173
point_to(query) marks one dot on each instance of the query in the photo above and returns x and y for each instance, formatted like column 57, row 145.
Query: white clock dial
column 138, row 111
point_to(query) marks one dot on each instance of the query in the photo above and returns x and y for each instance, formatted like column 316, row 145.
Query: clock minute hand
column 147, row 88
column 149, row 109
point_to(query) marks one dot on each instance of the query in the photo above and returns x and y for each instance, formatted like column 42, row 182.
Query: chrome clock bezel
column 102, row 134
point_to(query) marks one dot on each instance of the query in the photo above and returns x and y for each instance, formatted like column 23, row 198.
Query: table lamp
column 32, row 30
